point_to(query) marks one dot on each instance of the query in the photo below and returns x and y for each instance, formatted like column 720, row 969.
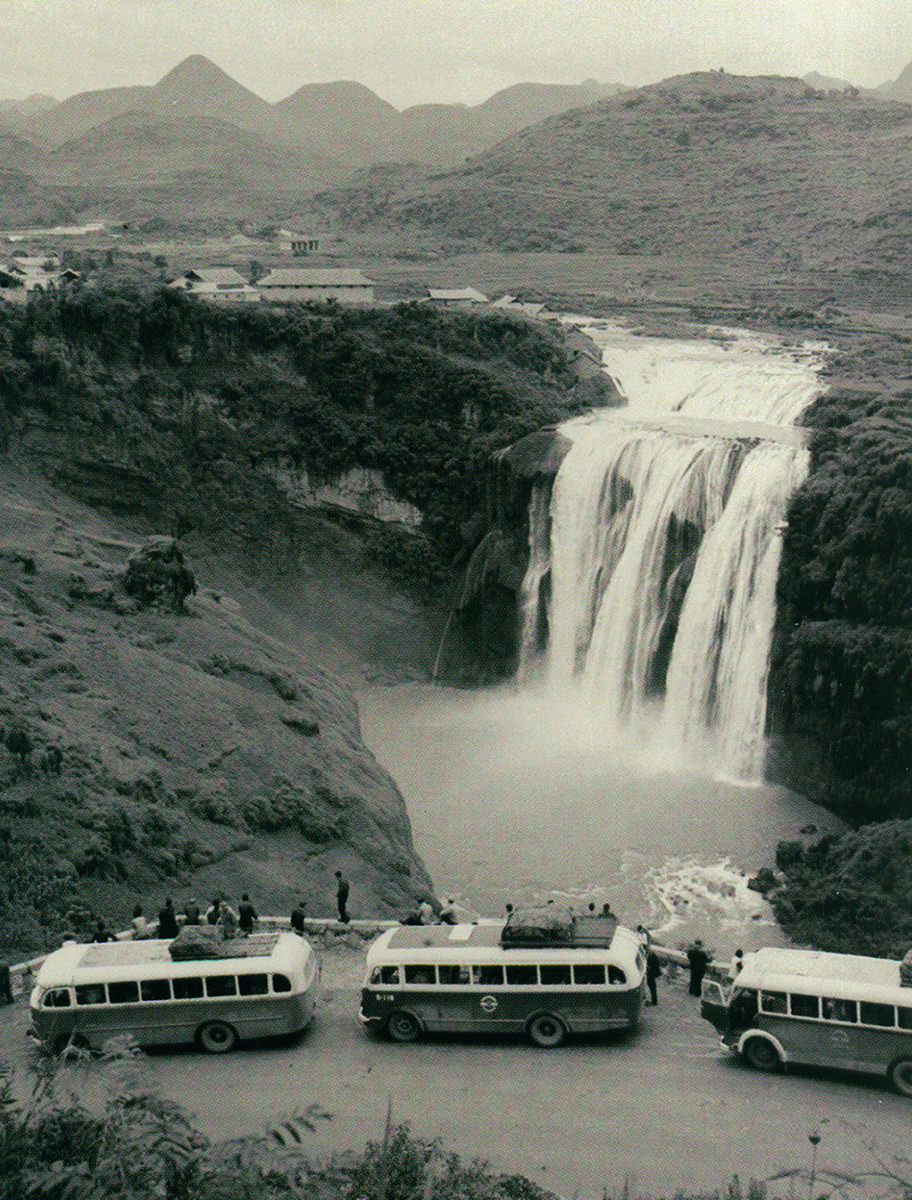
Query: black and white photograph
column 455, row 600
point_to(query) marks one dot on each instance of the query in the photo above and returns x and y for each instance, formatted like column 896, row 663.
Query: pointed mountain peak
column 194, row 67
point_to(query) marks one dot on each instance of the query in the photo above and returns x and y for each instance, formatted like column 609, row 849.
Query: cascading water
column 653, row 561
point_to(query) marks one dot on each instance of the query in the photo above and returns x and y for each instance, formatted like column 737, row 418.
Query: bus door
column 454, row 998
column 421, row 994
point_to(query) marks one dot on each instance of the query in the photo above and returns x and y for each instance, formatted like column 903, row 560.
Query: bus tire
column 216, row 1037
column 546, row 1030
column 901, row 1075
column 401, row 1026
column 761, row 1054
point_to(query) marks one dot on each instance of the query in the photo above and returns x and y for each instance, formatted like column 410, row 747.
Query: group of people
column 232, row 922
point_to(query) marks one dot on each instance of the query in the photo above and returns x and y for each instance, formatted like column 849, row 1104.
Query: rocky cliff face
column 202, row 751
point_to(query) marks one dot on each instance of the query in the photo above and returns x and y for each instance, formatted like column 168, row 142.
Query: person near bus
column 299, row 917
column 698, row 960
column 737, row 963
column 191, row 913
column 653, row 971
column 6, row 984
column 247, row 916
column 227, row 920
column 140, row 926
column 342, row 889
column 427, row 914
column 448, row 913
column 167, row 920
column 212, row 912
column 101, row 933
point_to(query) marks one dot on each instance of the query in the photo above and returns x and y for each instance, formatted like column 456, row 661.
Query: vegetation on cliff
column 161, row 404
column 841, row 684
column 849, row 892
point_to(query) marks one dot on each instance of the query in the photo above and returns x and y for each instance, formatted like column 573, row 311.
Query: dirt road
column 663, row 1107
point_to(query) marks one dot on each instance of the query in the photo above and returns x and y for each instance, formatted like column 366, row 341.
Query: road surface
column 664, row 1108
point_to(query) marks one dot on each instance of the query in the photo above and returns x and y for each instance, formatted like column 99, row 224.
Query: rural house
column 221, row 284
column 460, row 297
column 298, row 243
column 296, row 285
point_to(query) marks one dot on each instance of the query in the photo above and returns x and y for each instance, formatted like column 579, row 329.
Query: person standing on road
column 737, row 963
column 6, row 985
column 698, row 960
column 167, row 920
column 247, row 916
column 342, row 889
column 299, row 917
column 653, row 971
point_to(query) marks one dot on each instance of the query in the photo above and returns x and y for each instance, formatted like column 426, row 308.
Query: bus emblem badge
column 488, row 1003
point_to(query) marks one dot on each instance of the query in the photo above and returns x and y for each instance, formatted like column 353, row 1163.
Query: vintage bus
column 820, row 1009
column 470, row 978
column 86, row 994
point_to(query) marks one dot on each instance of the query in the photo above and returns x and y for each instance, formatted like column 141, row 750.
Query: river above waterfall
column 514, row 799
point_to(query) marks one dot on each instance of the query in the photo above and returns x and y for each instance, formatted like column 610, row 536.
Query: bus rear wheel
column 402, row 1027
column 901, row 1076
column 546, row 1030
column 761, row 1054
column 216, row 1037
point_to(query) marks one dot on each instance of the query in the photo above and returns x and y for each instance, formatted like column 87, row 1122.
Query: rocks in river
column 764, row 881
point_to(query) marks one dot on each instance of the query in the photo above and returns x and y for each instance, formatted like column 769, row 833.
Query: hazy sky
column 410, row 51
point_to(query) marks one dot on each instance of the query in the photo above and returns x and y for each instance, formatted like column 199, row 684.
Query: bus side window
column 221, row 985
column 253, row 985
column 90, row 993
column 422, row 973
column 124, row 993
column 189, row 987
column 522, row 974
column 589, row 974
column 452, row 974
column 281, row 983
column 56, row 998
column 905, row 1017
column 488, row 975
column 615, row 974
column 839, row 1010
column 878, row 1014
column 155, row 989
column 804, row 1006
column 555, row 975
column 774, row 1002
column 385, row 975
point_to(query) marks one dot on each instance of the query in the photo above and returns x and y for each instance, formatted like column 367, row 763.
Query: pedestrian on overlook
column 427, row 914
column 101, row 933
column 247, row 916
column 212, row 913
column 653, row 971
column 645, row 937
column 299, row 917
column 191, row 913
column 141, row 927
column 342, row 889
column 6, row 984
column 167, row 920
column 227, row 920
column 737, row 963
column 448, row 913
column 698, row 960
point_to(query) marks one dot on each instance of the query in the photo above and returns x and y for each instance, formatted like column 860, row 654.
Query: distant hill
column 825, row 83
column 708, row 164
column 31, row 104
column 901, row 89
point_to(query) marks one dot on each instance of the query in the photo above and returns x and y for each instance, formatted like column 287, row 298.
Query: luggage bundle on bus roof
column 555, row 925
column 207, row 942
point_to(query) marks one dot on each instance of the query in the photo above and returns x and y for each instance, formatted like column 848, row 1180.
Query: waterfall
column 653, row 561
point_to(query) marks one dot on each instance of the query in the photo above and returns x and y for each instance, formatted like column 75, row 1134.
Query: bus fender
column 767, row 1037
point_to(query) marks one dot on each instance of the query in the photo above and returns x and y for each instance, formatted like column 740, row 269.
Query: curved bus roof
column 481, row 943
column 99, row 962
column 817, row 972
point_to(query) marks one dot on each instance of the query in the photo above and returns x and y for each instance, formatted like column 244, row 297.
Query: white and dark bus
column 86, row 994
column 819, row 1009
column 474, row 978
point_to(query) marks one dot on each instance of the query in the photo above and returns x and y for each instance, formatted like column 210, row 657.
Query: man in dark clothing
column 342, row 897
column 653, row 971
column 299, row 916
column 212, row 915
column 246, row 915
column 101, row 934
column 6, row 986
column 167, row 920
column 698, row 960
column 191, row 913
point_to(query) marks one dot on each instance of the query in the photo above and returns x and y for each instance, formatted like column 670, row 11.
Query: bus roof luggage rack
column 555, row 925
column 196, row 942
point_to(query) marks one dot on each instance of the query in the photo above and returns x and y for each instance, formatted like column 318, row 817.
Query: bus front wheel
column 546, row 1030
column 761, row 1054
column 402, row 1027
column 215, row 1037
column 901, row 1076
